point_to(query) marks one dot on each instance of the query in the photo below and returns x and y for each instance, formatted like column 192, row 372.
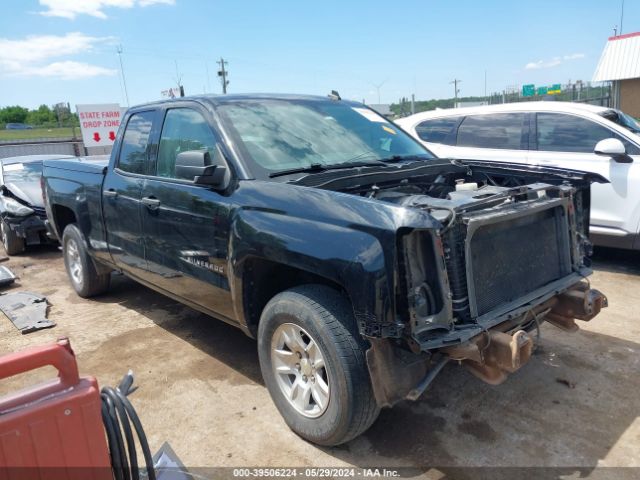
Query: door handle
column 111, row 193
column 151, row 203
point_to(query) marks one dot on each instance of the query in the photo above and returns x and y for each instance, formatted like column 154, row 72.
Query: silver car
column 22, row 214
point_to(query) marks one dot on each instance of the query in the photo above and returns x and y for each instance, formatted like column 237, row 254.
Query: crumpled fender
column 352, row 259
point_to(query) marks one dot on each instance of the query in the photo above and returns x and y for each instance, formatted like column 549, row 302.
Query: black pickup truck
column 360, row 262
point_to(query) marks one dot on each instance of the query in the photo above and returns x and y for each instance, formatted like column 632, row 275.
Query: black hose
column 117, row 415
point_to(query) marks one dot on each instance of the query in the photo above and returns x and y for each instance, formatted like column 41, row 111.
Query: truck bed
column 75, row 185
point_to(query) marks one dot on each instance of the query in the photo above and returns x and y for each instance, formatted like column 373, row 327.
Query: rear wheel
column 80, row 268
column 313, row 363
column 13, row 244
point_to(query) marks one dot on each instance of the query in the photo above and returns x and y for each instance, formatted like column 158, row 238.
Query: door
column 121, row 192
column 568, row 141
column 186, row 226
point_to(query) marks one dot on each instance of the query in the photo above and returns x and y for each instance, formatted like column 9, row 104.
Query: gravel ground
column 574, row 405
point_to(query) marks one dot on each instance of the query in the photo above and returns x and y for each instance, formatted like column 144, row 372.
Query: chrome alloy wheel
column 300, row 370
column 73, row 261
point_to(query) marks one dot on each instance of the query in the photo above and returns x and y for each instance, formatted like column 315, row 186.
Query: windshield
column 622, row 119
column 282, row 135
column 22, row 172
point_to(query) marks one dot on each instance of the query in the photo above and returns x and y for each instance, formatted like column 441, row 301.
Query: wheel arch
column 263, row 279
column 62, row 216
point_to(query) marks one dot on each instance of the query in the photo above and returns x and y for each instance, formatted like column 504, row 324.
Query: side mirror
column 196, row 165
column 613, row 148
column 212, row 175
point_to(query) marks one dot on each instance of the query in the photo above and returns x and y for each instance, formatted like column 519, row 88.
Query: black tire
column 81, row 270
column 328, row 318
column 13, row 244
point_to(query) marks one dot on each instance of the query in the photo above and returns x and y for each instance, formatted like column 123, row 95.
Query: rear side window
column 558, row 132
column 184, row 129
column 498, row 130
column 438, row 130
column 134, row 153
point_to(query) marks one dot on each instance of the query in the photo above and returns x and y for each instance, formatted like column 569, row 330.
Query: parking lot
column 576, row 404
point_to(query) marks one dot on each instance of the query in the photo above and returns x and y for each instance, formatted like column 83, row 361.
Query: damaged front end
column 23, row 219
column 507, row 258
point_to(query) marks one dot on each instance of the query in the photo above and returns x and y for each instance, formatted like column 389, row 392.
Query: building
column 620, row 64
column 382, row 108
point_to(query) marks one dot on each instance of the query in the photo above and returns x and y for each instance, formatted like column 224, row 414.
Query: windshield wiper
column 314, row 167
column 400, row 158
column 389, row 159
column 320, row 167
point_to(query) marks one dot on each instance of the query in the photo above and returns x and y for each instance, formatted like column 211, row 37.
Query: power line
column 124, row 81
column 222, row 73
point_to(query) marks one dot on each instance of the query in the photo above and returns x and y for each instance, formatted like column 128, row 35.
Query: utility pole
column 485, row 85
column 73, row 121
column 179, row 80
column 621, row 16
column 222, row 73
column 124, row 81
column 456, row 90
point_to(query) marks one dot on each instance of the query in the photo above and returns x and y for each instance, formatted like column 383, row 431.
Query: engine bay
column 446, row 188
column 442, row 200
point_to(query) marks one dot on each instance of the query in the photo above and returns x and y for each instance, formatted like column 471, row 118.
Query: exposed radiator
column 496, row 257
column 515, row 256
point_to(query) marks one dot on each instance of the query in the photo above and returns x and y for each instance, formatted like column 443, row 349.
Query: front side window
column 438, row 130
column 183, row 130
column 497, row 130
column 282, row 134
column 559, row 132
column 134, row 153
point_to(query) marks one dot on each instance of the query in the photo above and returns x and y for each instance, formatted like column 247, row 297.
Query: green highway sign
column 530, row 90
column 554, row 89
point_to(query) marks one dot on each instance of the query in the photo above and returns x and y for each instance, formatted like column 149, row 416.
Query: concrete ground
column 576, row 404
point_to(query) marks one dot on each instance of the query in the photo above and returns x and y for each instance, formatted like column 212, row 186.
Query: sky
column 66, row 50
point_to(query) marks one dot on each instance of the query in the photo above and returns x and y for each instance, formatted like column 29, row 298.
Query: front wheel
column 13, row 244
column 313, row 363
column 80, row 268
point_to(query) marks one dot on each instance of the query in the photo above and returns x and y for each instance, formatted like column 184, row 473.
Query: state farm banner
column 99, row 123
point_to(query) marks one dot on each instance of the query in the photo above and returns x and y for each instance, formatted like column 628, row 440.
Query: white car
column 570, row 135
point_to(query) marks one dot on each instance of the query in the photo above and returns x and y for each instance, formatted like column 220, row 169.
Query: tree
column 14, row 114
column 42, row 116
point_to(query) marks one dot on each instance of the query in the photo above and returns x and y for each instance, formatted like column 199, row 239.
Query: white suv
column 570, row 135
